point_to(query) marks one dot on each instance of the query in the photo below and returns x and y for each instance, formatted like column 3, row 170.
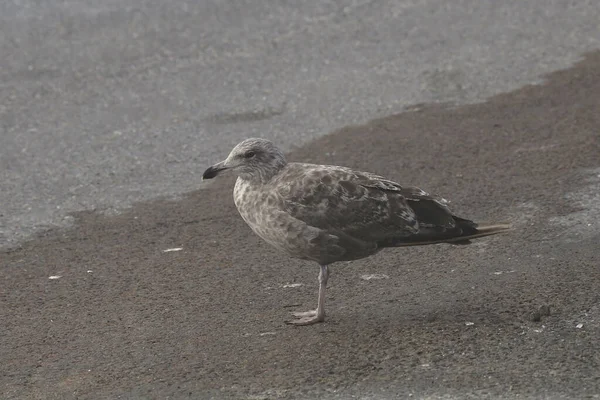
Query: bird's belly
column 272, row 237
column 277, row 232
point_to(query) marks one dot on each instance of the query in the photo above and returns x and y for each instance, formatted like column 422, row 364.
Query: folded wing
column 364, row 206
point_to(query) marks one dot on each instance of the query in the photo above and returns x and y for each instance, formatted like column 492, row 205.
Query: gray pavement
column 107, row 103
column 102, row 311
column 103, row 104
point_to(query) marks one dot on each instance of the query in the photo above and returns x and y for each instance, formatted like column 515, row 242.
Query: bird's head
column 252, row 158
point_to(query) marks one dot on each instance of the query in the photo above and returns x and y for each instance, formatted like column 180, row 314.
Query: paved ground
column 128, row 320
column 104, row 103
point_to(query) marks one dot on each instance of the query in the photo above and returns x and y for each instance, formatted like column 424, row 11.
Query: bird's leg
column 318, row 315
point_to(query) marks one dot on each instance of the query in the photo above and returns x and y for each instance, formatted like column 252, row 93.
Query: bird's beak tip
column 212, row 171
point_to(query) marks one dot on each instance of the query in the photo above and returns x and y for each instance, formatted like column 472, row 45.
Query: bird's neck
column 261, row 176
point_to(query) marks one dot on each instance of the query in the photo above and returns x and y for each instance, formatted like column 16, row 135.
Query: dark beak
column 213, row 171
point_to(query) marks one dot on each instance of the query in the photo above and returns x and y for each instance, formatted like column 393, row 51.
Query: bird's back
column 367, row 208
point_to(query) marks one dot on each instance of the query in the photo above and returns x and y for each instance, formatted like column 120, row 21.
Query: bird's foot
column 306, row 318
column 302, row 314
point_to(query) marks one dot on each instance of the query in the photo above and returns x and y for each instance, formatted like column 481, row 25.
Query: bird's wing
column 430, row 211
column 363, row 205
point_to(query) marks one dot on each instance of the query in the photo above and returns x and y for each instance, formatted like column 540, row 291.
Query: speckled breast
column 259, row 211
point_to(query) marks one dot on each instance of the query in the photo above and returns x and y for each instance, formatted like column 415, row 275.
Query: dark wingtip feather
column 469, row 230
column 480, row 231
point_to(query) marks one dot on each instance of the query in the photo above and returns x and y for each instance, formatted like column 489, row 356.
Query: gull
column 328, row 213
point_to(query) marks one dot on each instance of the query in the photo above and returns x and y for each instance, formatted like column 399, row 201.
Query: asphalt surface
column 512, row 316
column 110, row 112
column 104, row 103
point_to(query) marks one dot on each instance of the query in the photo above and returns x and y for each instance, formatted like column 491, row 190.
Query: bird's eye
column 249, row 154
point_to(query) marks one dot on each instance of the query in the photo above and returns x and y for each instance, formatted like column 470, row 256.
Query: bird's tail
column 468, row 230
column 481, row 231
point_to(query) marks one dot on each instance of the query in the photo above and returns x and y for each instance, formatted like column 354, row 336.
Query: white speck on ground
column 374, row 276
column 504, row 272
column 292, row 285
column 173, row 249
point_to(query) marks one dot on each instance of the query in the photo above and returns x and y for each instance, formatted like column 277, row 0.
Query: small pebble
column 543, row 311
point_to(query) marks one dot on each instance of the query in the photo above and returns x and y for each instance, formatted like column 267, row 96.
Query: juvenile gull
column 326, row 213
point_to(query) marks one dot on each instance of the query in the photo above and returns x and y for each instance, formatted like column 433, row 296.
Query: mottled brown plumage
column 326, row 213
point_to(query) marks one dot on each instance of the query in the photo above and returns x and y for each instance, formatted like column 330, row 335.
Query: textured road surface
column 125, row 319
column 104, row 103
